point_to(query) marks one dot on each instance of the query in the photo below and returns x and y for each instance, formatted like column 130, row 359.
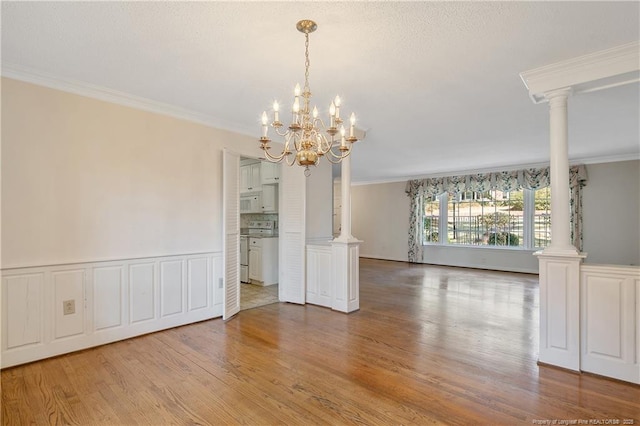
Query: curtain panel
column 505, row 181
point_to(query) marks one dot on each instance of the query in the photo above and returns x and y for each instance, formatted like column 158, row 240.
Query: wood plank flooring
column 430, row 345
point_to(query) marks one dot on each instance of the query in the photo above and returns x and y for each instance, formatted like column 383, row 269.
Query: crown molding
column 18, row 72
column 588, row 73
column 499, row 168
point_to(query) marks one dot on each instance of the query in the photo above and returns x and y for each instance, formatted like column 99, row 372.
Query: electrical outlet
column 68, row 307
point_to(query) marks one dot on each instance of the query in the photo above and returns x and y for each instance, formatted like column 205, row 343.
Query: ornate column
column 559, row 264
column 345, row 253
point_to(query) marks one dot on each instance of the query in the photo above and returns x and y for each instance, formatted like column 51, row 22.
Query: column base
column 560, row 307
column 345, row 274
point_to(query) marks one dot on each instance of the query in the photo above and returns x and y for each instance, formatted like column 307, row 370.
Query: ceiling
column 436, row 85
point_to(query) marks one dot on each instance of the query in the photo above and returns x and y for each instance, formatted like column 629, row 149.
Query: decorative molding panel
column 107, row 297
column 560, row 310
column 319, row 285
column 610, row 321
column 113, row 300
column 198, row 283
column 345, row 265
column 23, row 325
column 171, row 287
column 68, row 285
column 142, row 292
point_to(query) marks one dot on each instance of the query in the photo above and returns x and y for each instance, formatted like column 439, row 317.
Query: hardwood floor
column 430, row 345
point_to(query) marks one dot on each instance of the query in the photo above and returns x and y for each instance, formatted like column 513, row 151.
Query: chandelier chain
column 306, row 63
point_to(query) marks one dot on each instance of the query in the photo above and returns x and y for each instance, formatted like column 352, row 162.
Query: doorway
column 259, row 243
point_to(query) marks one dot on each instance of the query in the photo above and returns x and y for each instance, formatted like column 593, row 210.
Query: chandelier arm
column 274, row 158
column 325, row 145
column 293, row 160
column 283, row 134
column 338, row 157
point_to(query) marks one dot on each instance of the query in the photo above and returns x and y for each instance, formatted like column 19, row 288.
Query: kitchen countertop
column 249, row 235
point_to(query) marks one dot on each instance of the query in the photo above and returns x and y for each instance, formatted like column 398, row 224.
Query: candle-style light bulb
column 332, row 113
column 296, row 91
column 296, row 105
column 315, row 112
column 265, row 120
column 276, row 108
column 337, row 102
column 343, row 142
column 353, row 124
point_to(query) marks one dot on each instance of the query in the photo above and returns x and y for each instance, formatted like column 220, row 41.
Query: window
column 542, row 217
column 516, row 219
column 431, row 219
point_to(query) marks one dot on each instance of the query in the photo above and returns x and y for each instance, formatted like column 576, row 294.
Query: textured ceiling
column 435, row 84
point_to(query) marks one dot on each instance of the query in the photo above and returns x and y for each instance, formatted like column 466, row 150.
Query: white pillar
column 345, row 213
column 345, row 253
column 559, row 264
column 559, row 169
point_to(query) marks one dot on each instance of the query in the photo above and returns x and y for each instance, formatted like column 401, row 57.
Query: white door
column 291, row 287
column 231, row 232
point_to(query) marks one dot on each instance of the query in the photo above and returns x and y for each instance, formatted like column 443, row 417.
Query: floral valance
column 503, row 181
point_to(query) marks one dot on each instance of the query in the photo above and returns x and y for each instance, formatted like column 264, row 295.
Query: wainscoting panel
column 557, row 302
column 171, row 287
column 217, row 274
column 142, row 294
column 610, row 321
column 198, row 283
column 24, row 313
column 68, row 287
column 107, row 297
column 560, row 310
column 104, row 302
column 319, row 284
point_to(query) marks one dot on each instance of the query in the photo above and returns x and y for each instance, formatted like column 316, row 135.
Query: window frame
column 528, row 225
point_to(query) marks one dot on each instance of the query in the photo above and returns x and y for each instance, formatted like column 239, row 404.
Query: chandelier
column 307, row 135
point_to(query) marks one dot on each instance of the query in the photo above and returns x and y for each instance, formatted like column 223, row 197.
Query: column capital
column 558, row 93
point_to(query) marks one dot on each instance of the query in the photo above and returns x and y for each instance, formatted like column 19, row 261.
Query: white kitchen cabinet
column 269, row 172
column 255, row 261
column 263, row 261
column 251, row 203
column 250, row 178
column 269, row 198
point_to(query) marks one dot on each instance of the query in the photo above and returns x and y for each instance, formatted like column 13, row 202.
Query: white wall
column 380, row 217
column 87, row 180
column 611, row 204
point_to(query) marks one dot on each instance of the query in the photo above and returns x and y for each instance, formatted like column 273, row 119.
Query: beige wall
column 380, row 217
column 86, row 180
